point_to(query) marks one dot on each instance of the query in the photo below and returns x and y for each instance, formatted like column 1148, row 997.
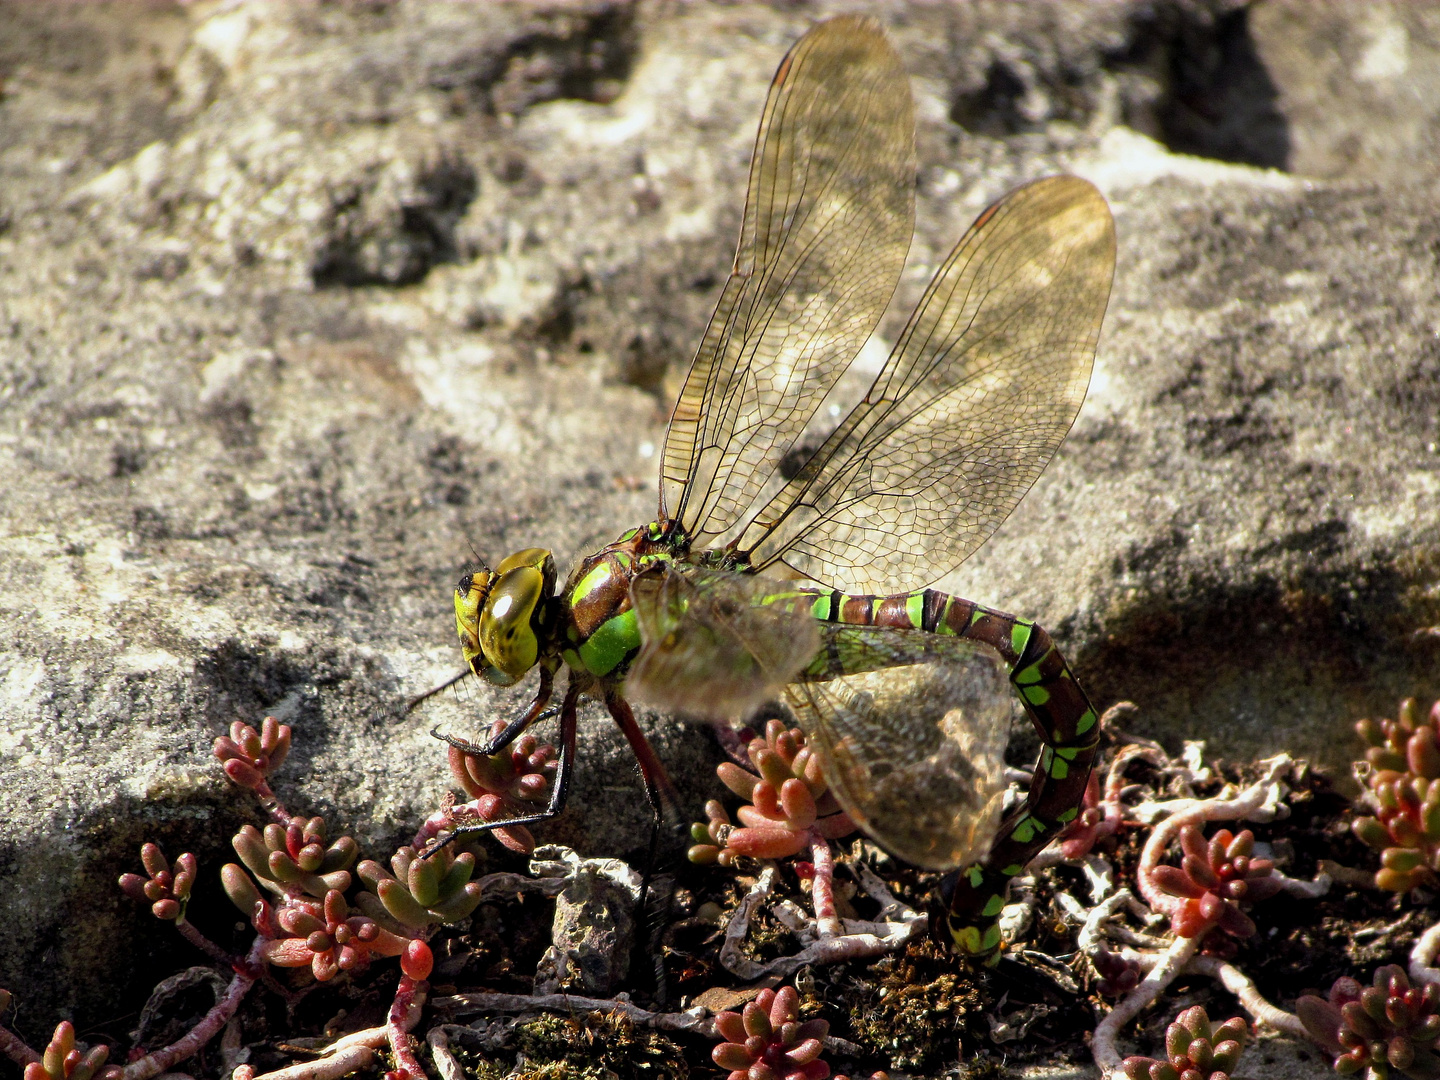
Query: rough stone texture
column 593, row 931
column 299, row 304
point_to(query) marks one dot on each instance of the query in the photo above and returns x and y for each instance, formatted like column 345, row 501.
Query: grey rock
column 299, row 304
column 593, row 931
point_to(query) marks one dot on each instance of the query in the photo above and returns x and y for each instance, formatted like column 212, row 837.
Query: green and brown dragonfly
column 787, row 563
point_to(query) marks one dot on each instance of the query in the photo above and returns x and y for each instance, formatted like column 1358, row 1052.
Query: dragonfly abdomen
column 1063, row 716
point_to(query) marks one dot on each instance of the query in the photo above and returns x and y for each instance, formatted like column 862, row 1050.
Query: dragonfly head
column 500, row 612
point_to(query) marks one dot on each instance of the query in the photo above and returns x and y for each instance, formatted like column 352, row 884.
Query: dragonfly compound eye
column 507, row 636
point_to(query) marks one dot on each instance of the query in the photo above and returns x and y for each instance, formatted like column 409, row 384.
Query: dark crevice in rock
column 1243, row 429
column 1320, row 541
column 582, row 53
column 368, row 246
column 556, row 325
column 246, row 682
column 1185, row 72
column 1000, row 107
column 1192, row 78
column 1025, row 87
column 647, row 358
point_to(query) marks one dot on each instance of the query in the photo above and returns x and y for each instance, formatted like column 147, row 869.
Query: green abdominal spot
column 610, row 644
column 1020, row 636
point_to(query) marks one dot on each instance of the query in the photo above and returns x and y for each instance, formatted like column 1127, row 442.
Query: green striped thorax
column 501, row 615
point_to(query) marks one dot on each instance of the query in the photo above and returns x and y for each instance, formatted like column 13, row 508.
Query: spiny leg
column 534, row 712
column 559, row 789
column 659, row 793
column 418, row 699
column 658, row 788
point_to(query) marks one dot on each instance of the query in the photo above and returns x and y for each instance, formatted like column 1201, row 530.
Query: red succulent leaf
column 1176, row 882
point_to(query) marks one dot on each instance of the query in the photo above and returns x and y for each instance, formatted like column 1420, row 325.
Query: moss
column 597, row 1046
column 985, row 1068
column 918, row 1012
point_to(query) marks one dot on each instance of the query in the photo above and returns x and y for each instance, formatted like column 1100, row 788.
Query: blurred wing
column 828, row 218
column 914, row 753
column 717, row 645
column 976, row 397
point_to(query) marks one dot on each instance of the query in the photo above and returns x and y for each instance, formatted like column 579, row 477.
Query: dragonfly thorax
column 596, row 627
column 501, row 615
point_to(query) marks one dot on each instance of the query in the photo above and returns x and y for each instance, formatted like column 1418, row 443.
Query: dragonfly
column 788, row 562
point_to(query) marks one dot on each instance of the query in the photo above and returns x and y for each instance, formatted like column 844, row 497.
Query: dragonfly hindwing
column 913, row 747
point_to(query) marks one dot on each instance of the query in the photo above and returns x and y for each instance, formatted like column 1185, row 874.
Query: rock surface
column 297, row 304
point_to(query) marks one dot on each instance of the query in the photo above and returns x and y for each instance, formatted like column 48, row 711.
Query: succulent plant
column 511, row 782
column 422, row 893
column 1403, row 761
column 1193, row 1050
column 291, row 861
column 789, row 803
column 167, row 891
column 326, row 937
column 1386, row 1025
column 1089, row 825
column 250, row 756
column 63, row 1060
column 1213, row 879
column 417, row 961
column 767, row 1041
column 1118, row 976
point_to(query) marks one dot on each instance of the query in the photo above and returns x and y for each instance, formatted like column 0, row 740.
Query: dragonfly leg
column 658, row 788
column 510, row 732
column 733, row 745
column 1070, row 730
column 660, row 794
column 426, row 695
column 559, row 789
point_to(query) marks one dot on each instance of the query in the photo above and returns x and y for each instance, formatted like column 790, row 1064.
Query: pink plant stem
column 152, row 1065
column 732, row 959
column 1422, row 957
column 374, row 1037
column 837, row 950
column 189, row 932
column 1306, row 890
column 1239, row 984
column 446, row 1064
column 16, row 1049
column 344, row 1056
column 822, row 888
column 1236, row 809
column 697, row 1019
column 1347, row 875
column 350, row 1060
column 272, row 804
column 1172, row 962
column 404, row 1015
column 1092, row 931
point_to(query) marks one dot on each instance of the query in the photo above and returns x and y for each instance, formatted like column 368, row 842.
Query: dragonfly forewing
column 717, row 645
column 828, row 218
column 914, row 751
column 976, row 397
